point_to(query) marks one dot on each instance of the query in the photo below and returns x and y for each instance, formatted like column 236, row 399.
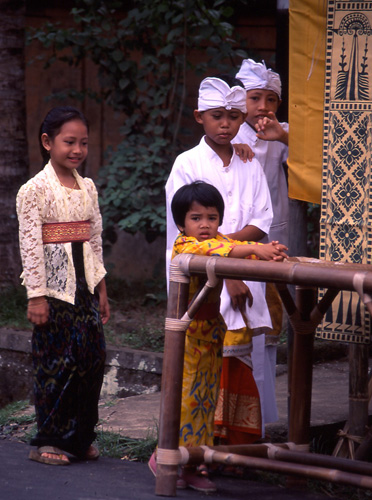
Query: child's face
column 259, row 103
column 69, row 148
column 220, row 125
column 201, row 222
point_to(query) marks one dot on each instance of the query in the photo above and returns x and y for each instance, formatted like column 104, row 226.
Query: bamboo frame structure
column 304, row 315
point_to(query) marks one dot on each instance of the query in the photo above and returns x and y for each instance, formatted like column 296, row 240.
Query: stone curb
column 128, row 372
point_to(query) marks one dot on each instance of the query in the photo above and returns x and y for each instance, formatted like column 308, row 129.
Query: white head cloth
column 216, row 93
column 256, row 76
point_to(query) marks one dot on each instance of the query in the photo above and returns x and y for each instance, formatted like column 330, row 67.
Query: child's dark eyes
column 84, row 144
column 230, row 117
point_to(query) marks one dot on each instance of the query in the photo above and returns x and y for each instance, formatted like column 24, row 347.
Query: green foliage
column 13, row 308
column 12, row 420
column 11, row 414
column 114, row 445
column 146, row 56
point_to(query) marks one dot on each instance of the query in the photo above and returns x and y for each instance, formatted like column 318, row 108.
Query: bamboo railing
column 304, row 315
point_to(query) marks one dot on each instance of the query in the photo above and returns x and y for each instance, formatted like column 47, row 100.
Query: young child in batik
column 198, row 211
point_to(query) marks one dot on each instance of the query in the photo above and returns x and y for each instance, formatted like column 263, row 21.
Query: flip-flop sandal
column 37, row 456
column 197, row 482
column 92, row 453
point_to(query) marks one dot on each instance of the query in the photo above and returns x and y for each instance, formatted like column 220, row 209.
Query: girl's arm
column 104, row 307
column 270, row 251
column 95, row 221
column 238, row 290
column 29, row 202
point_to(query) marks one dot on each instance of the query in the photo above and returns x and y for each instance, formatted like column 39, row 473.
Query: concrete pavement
column 137, row 416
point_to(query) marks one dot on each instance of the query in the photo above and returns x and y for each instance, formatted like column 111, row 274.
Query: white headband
column 216, row 93
column 256, row 76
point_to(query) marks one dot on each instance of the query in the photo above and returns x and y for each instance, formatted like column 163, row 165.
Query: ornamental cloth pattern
column 346, row 211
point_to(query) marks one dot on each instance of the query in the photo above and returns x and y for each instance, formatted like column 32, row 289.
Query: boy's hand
column 239, row 294
column 244, row 152
column 269, row 129
column 271, row 251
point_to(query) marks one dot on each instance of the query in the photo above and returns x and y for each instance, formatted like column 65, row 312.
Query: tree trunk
column 13, row 142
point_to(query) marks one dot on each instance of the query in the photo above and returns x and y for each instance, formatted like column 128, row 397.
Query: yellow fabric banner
column 307, row 32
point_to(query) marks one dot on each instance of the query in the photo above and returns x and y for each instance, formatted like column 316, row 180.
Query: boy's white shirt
column 244, row 189
column 271, row 155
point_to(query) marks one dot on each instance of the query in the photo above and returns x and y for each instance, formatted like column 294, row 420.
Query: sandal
column 39, row 455
column 202, row 470
column 198, row 482
column 181, row 483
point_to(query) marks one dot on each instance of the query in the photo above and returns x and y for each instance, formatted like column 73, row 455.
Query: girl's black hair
column 230, row 80
column 53, row 122
column 199, row 191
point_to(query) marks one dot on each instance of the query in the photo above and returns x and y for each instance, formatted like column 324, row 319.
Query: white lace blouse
column 48, row 269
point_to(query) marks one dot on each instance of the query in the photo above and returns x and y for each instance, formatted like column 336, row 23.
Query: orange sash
column 66, row 232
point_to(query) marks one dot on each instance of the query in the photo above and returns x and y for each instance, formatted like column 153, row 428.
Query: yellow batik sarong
column 200, row 385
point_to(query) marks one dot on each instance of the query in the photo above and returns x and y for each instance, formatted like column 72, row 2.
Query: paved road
column 112, row 479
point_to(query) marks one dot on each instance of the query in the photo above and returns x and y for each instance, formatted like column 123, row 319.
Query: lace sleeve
column 29, row 202
column 95, row 221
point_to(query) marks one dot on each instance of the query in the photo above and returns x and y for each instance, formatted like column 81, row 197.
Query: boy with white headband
column 248, row 215
column 269, row 141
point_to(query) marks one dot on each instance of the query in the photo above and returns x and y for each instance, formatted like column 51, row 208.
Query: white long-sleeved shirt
column 271, row 155
column 246, row 195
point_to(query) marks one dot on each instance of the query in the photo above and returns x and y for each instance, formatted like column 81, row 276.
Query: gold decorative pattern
column 346, row 211
column 65, row 232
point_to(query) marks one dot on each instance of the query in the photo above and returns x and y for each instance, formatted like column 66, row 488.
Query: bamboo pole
column 332, row 275
column 289, row 468
column 302, row 370
column 285, row 452
column 358, row 389
column 338, row 275
column 171, row 390
column 178, row 319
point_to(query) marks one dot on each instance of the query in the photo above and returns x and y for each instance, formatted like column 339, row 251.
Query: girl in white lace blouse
column 61, row 248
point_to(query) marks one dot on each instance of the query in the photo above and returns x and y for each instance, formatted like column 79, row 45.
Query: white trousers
column 264, row 372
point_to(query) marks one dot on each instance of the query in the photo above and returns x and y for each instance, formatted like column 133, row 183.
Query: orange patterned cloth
column 66, row 232
column 238, row 413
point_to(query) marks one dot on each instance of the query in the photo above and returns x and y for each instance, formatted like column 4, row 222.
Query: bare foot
column 92, row 453
column 60, row 456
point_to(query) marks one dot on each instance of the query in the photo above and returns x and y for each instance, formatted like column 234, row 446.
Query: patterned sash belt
column 66, row 232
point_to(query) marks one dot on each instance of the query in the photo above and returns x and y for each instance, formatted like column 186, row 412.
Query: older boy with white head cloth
column 269, row 141
column 248, row 214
